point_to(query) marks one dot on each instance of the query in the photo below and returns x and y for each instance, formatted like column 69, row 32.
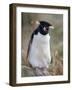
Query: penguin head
column 45, row 27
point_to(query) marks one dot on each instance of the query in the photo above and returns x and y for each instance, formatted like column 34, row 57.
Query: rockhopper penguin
column 39, row 54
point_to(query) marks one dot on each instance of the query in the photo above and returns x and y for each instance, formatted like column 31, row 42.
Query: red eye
column 47, row 28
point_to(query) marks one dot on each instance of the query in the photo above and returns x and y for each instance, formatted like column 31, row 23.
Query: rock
column 27, row 71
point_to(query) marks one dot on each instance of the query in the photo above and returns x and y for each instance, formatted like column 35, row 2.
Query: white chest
column 40, row 51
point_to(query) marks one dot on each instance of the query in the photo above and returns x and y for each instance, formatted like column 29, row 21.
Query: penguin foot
column 41, row 71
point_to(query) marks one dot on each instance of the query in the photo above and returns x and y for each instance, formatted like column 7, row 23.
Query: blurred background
column 28, row 26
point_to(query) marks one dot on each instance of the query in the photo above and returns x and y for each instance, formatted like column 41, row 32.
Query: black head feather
column 44, row 27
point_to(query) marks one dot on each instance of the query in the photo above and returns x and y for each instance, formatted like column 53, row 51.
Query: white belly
column 39, row 55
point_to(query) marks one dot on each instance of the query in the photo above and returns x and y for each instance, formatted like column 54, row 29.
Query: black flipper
column 30, row 42
column 29, row 45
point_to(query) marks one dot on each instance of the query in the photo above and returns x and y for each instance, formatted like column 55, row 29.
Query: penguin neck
column 43, row 36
